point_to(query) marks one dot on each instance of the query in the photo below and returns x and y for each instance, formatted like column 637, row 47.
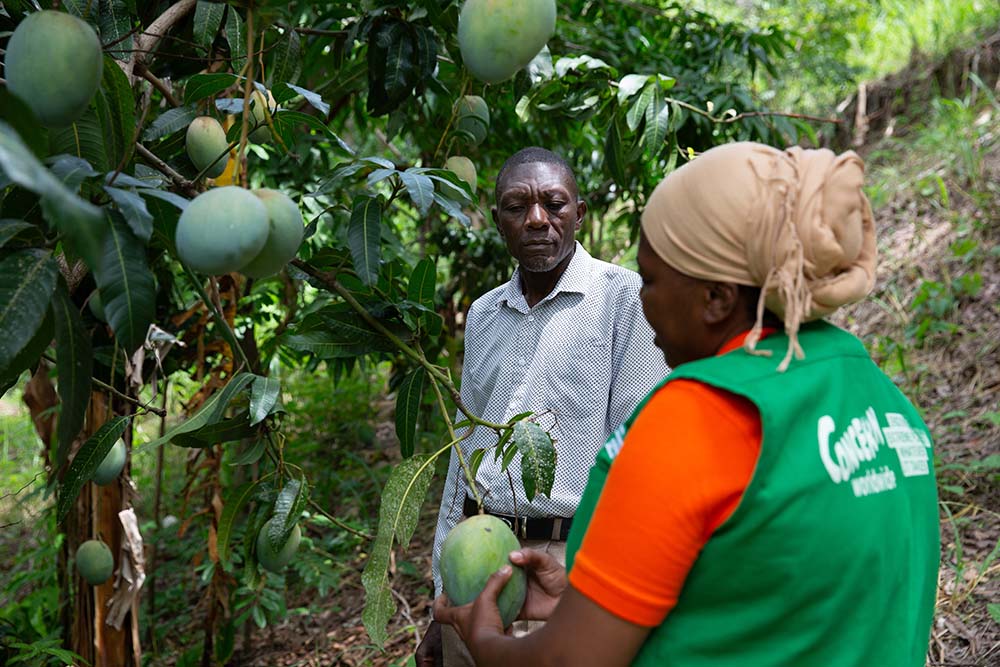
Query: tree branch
column 151, row 36
column 165, row 169
column 143, row 71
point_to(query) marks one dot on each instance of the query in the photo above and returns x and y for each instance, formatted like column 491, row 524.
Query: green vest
column 831, row 557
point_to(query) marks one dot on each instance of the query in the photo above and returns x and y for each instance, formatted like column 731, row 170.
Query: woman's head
column 793, row 223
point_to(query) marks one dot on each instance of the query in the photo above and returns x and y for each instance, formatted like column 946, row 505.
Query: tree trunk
column 95, row 516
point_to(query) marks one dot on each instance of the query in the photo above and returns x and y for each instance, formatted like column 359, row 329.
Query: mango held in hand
column 54, row 65
column 463, row 168
column 94, row 562
column 112, row 464
column 275, row 561
column 222, row 230
column 206, row 145
column 473, row 118
column 285, row 232
column 474, row 549
column 499, row 37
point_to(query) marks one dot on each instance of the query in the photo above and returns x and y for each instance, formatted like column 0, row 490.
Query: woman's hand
column 546, row 583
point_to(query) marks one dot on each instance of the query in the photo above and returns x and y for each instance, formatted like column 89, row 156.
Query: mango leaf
column 207, row 19
column 420, row 188
column 231, row 506
column 71, row 170
column 422, row 282
column 119, row 125
column 363, row 236
column 18, row 232
column 77, row 219
column 452, row 209
column 27, row 280
column 614, row 154
column 287, row 510
column 408, row 397
column 314, row 99
column 75, row 363
column 133, row 209
column 332, row 334
column 126, row 283
column 116, row 26
column 391, row 65
column 629, row 85
column 170, row 121
column 251, row 454
column 166, row 196
column 538, row 458
column 476, row 460
column 226, row 430
column 263, row 397
column 201, row 86
column 210, row 412
column 28, row 356
column 90, row 455
column 84, row 137
column 236, row 35
column 657, row 120
column 287, row 63
column 84, row 9
column 635, row 114
column 401, row 500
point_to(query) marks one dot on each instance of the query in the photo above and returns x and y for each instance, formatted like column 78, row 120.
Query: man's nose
column 536, row 216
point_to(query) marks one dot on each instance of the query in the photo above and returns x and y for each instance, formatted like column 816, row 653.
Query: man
column 566, row 339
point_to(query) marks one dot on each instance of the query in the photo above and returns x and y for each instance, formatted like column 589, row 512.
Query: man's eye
column 514, row 208
column 555, row 206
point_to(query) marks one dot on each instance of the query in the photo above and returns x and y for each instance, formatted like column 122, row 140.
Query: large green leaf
column 75, row 362
column 363, row 236
column 170, row 121
column 207, row 19
column 27, row 358
column 18, row 233
column 264, row 395
column 116, row 28
column 84, row 137
column 119, row 124
column 657, row 119
column 233, row 502
column 287, row 60
column 408, row 397
column 538, row 458
column 201, row 86
column 85, row 462
column 133, row 209
column 287, row 510
column 401, row 500
column 635, row 113
column 78, row 220
column 27, row 280
column 420, row 288
column 226, row 430
column 420, row 188
column 71, row 170
column 126, row 283
column 236, row 35
column 210, row 412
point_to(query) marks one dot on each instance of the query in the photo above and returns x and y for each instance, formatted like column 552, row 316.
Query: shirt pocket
column 578, row 379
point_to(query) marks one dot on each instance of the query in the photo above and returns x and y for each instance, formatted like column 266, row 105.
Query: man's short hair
column 533, row 155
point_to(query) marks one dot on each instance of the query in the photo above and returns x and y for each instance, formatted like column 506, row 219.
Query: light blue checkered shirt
column 581, row 359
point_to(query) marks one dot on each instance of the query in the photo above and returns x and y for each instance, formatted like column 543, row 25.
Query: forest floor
column 933, row 323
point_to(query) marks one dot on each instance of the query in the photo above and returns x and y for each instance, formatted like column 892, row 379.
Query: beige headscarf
column 795, row 223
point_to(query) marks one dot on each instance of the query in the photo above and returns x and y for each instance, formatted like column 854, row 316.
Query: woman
column 772, row 501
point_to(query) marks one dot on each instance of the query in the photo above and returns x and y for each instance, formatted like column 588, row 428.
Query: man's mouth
column 537, row 243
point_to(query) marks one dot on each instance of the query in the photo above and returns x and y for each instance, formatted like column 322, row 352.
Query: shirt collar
column 576, row 278
column 738, row 340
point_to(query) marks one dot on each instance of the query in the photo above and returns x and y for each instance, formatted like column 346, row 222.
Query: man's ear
column 721, row 300
column 581, row 212
column 496, row 220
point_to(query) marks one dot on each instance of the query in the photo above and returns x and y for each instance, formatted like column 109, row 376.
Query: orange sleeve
column 681, row 472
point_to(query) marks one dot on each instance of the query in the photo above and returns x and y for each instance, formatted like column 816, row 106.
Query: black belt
column 527, row 527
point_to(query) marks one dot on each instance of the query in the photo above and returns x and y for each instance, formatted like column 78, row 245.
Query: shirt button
column 531, row 318
column 522, row 361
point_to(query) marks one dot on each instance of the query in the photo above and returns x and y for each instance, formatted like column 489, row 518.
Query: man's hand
column 478, row 622
column 546, row 583
column 429, row 651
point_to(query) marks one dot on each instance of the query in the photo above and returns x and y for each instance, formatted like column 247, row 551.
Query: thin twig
column 184, row 184
column 338, row 522
column 125, row 397
column 144, row 72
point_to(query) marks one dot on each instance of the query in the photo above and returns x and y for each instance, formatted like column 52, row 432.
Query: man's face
column 538, row 212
